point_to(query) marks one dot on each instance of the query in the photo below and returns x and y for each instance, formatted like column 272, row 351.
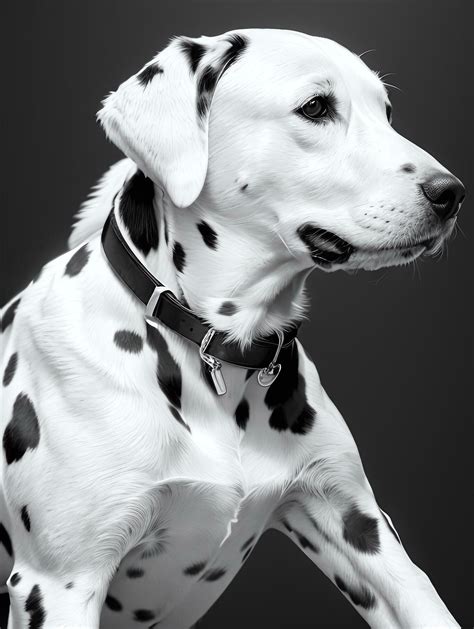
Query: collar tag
column 268, row 375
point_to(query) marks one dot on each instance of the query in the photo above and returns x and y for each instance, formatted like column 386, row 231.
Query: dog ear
column 160, row 116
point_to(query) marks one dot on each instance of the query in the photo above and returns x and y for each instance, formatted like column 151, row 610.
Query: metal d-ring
column 269, row 374
column 151, row 305
column 214, row 364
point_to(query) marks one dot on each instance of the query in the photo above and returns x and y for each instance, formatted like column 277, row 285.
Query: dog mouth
column 327, row 248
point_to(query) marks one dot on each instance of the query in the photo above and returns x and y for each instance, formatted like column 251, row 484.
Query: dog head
column 291, row 131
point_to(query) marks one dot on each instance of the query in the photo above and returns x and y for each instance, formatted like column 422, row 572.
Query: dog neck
column 235, row 274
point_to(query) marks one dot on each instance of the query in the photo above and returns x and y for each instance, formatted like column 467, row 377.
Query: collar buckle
column 269, row 374
column 151, row 305
column 214, row 364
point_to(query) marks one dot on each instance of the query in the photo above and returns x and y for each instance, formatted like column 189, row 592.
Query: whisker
column 379, row 279
column 366, row 52
column 386, row 74
column 417, row 267
column 284, row 242
column 460, row 229
column 392, row 86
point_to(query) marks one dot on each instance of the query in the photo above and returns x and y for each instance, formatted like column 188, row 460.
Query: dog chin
column 373, row 259
column 330, row 252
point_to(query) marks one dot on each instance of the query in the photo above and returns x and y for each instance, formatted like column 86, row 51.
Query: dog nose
column 445, row 193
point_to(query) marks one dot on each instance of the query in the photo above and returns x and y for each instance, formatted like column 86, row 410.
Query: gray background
column 393, row 348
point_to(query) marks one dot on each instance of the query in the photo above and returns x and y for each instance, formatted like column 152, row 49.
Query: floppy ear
column 159, row 117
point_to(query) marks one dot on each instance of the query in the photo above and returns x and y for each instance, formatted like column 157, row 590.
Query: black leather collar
column 163, row 306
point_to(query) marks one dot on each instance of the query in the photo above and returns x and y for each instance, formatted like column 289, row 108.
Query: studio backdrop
column 393, row 348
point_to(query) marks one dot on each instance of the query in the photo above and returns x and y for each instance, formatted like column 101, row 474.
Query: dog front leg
column 341, row 529
column 330, row 512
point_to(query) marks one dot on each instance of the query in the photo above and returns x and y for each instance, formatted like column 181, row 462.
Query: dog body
column 126, row 479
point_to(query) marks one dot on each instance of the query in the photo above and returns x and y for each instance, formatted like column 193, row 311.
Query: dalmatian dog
column 131, row 491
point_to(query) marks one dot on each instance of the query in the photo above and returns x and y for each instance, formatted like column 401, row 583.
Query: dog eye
column 315, row 108
column 388, row 111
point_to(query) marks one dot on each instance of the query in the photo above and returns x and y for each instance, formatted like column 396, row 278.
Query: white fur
column 95, row 209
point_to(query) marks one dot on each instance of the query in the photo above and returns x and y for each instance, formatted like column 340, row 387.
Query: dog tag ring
column 215, row 365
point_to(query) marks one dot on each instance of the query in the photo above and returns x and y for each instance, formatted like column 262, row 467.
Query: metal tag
column 267, row 376
column 218, row 380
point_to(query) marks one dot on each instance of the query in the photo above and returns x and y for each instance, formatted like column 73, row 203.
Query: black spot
column 391, row 527
column 363, row 597
column 9, row 314
column 179, row 418
column 128, row 341
column 238, row 44
column 208, row 234
column 194, row 52
column 408, row 168
column 25, row 518
column 23, row 432
column 214, row 574
column 5, row 540
column 242, row 414
column 304, row 542
column 246, row 544
column 244, row 187
column 280, row 420
column 209, row 77
column 10, row 369
column 179, row 256
column 227, row 308
column 148, row 73
column 142, row 615
column 206, row 86
column 168, row 373
column 69, row 585
column 77, row 262
column 34, row 607
column 135, row 573
column 194, row 568
column 286, row 397
column 15, row 578
column 361, row 531
column 208, row 80
column 137, row 212
column 113, row 604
